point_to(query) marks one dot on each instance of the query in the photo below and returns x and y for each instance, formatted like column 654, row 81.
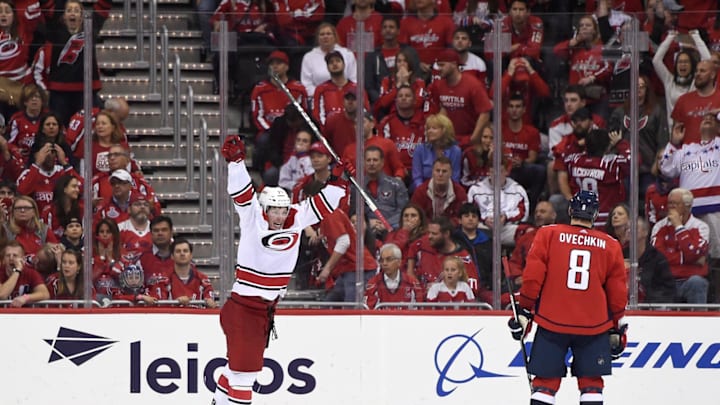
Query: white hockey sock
column 234, row 388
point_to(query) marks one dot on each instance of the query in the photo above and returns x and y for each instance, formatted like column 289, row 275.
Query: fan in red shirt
column 401, row 75
column 117, row 107
column 462, row 98
column 526, row 32
column 521, row 78
column 267, row 100
column 328, row 96
column 158, row 263
column 691, row 107
column 24, row 124
column 392, row 284
column 135, row 237
column 426, row 31
column 362, row 10
column 185, row 282
column 405, row 127
column 426, row 255
column 298, row 19
column 25, row 227
column 38, row 180
column 107, row 133
column 393, row 165
column 18, row 281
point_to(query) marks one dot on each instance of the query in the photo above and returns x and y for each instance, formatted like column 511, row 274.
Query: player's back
column 602, row 175
column 579, row 276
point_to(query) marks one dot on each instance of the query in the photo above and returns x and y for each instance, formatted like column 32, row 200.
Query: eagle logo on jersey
column 280, row 241
column 72, row 49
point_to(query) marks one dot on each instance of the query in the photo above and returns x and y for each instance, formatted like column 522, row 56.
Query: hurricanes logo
column 280, row 241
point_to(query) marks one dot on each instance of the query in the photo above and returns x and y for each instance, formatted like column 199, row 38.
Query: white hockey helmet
column 273, row 197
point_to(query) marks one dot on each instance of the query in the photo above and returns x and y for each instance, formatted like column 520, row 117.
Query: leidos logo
column 76, row 346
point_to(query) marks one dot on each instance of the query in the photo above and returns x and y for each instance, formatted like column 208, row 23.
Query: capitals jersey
column 268, row 101
column 407, row 134
column 266, row 258
column 428, row 37
column 602, row 175
column 698, row 167
column 134, row 242
column 40, row 184
column 23, row 129
column 572, row 264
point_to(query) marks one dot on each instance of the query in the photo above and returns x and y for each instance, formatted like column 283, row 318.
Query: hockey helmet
column 584, row 205
column 273, row 197
column 132, row 279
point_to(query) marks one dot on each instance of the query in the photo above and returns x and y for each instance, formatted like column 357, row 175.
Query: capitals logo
column 280, row 241
column 459, row 359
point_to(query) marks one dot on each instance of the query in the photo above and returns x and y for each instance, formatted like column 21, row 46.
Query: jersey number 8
column 578, row 273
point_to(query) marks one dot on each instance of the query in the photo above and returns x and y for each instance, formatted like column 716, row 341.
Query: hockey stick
column 513, row 304
column 368, row 200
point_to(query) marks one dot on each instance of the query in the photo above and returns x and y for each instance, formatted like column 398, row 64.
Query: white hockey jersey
column 698, row 166
column 266, row 258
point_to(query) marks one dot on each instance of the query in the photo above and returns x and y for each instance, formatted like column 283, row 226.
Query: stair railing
column 164, row 77
column 153, row 48
column 139, row 37
column 190, row 137
column 177, row 159
column 203, row 226
column 127, row 6
column 219, row 195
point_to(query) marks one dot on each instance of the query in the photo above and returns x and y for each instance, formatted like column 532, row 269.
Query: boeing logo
column 76, row 346
column 459, row 359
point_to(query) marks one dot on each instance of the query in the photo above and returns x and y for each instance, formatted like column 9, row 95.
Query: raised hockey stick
column 368, row 200
column 513, row 304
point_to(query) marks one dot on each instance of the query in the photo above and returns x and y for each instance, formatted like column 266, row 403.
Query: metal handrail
column 176, row 109
column 139, row 37
column 216, row 213
column 203, row 226
column 679, row 306
column 190, row 137
column 127, row 6
column 164, row 77
column 436, row 305
column 152, row 76
column 48, row 303
column 104, row 304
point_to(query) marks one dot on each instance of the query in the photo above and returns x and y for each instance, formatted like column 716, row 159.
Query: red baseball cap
column 449, row 55
column 137, row 196
column 319, row 147
column 521, row 75
column 278, row 55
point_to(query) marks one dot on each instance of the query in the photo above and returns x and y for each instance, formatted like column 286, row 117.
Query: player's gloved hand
column 344, row 167
column 521, row 326
column 233, row 149
column 618, row 339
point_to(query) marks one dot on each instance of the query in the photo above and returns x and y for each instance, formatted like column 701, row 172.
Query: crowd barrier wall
column 159, row 357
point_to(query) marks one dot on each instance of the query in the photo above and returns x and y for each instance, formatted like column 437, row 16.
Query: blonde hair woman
column 25, row 226
column 439, row 141
column 314, row 68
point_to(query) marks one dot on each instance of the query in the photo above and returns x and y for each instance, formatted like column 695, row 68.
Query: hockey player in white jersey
column 269, row 243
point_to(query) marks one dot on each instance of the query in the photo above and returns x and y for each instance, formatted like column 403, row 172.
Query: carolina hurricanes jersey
column 22, row 131
column 428, row 37
column 698, row 167
column 266, row 258
column 40, row 184
column 440, row 292
column 572, row 264
column 15, row 58
column 134, row 242
column 602, row 175
column 268, row 102
column 407, row 134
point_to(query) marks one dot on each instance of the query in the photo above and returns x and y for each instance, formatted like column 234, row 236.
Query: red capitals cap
column 278, row 55
column 319, row 147
column 449, row 55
